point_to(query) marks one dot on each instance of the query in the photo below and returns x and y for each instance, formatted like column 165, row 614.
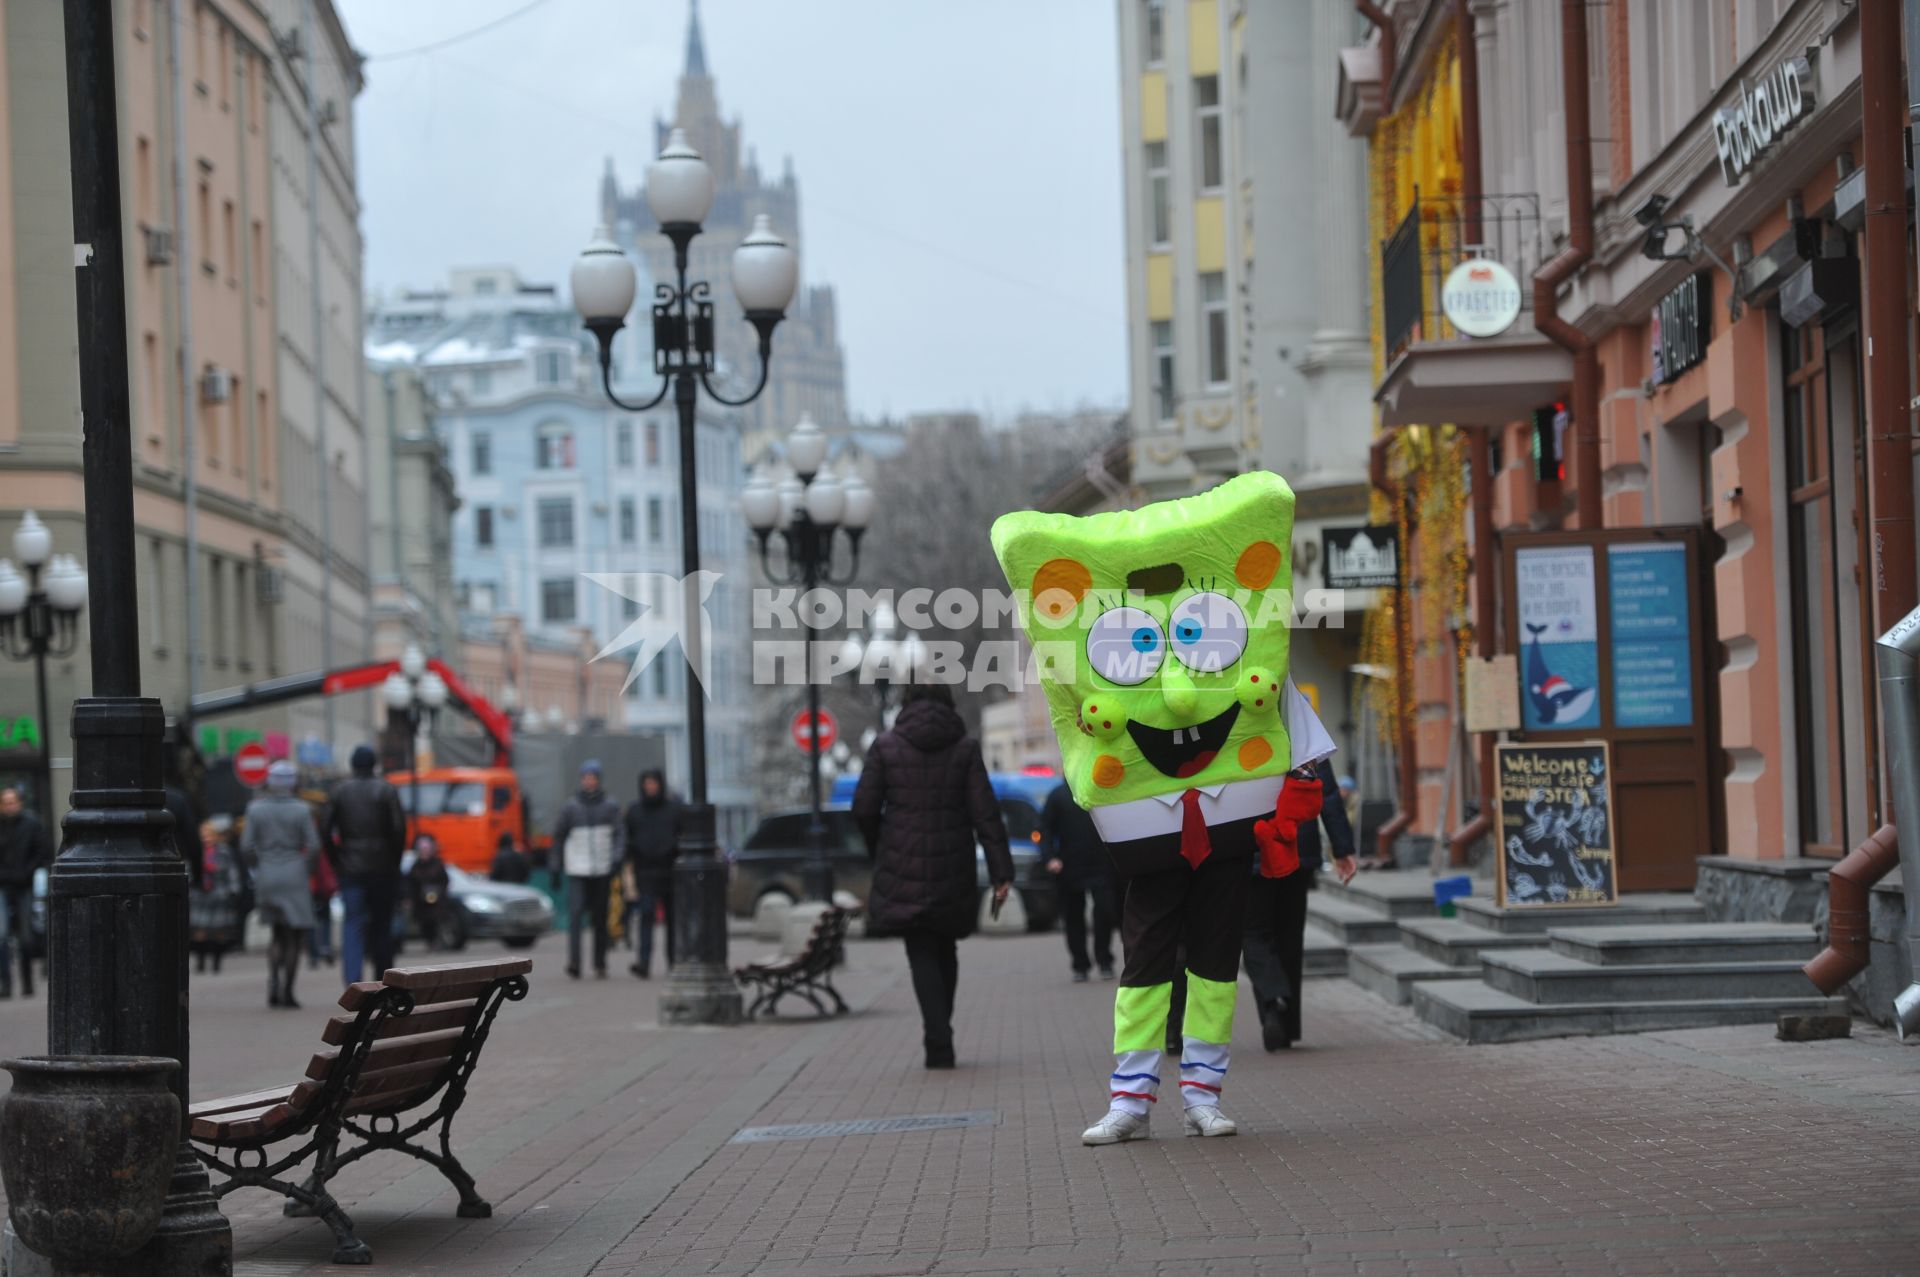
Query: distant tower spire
column 696, row 47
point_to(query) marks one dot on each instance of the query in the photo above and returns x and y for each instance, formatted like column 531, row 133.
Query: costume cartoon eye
column 1209, row 632
column 1126, row 646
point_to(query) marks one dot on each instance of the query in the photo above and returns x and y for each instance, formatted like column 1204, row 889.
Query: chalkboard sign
column 1556, row 826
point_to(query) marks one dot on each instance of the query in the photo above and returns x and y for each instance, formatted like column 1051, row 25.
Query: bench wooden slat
column 441, row 1015
column 390, row 1102
column 229, row 1103
column 244, row 1124
column 401, row 1077
column 438, row 1045
column 418, row 980
column 358, row 995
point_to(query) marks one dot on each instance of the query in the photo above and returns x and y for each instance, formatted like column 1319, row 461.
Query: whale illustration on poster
column 1561, row 676
column 1555, row 700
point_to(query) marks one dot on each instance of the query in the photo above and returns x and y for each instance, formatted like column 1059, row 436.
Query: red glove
column 1279, row 837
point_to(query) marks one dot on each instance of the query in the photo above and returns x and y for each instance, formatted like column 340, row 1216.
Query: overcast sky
column 959, row 166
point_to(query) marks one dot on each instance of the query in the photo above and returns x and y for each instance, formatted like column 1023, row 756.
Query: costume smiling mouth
column 1183, row 751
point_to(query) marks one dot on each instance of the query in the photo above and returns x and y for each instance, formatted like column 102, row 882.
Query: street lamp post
column 416, row 694
column 38, row 622
column 807, row 510
column 700, row 989
column 117, row 893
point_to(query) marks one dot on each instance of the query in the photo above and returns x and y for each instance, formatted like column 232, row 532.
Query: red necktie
column 1195, row 846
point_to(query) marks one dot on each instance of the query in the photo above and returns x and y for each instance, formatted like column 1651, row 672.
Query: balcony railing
column 1437, row 235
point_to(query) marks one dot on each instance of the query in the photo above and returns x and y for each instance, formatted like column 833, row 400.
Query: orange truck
column 468, row 810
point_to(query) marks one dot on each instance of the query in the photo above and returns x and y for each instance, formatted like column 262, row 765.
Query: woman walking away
column 280, row 843
column 216, row 909
column 921, row 802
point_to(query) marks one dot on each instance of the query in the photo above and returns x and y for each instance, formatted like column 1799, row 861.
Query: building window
column 659, row 679
column 623, row 445
column 1163, row 367
column 483, row 526
column 480, row 599
column 483, row 286
column 482, row 452
column 1156, row 32
column 556, row 600
column 1213, row 308
column 653, row 520
column 1159, row 183
column 1206, row 104
column 653, row 443
column 482, row 382
column 630, row 608
column 627, row 521
column 554, row 448
column 555, row 516
column 549, row 367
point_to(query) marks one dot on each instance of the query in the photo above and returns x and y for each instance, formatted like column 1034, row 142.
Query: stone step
column 1324, row 953
column 1543, row 976
column 1471, row 1010
column 1397, row 893
column 1686, row 942
column 1639, row 908
column 1390, row 971
column 1350, row 923
column 1458, row 943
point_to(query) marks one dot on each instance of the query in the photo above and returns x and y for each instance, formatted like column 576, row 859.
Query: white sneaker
column 1116, row 1127
column 1206, row 1120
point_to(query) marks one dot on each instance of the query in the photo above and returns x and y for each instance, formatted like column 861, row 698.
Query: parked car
column 482, row 909
column 1039, row 893
column 772, row 859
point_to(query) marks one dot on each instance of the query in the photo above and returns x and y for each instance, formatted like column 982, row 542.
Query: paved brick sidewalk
column 601, row 1140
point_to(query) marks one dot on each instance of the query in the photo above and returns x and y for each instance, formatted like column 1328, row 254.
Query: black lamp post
column 807, row 509
column 414, row 694
column 37, row 623
column 700, row 988
column 117, row 894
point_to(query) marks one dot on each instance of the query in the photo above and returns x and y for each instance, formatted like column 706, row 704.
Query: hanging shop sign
column 1481, row 298
column 1556, row 825
column 1763, row 114
column 1362, row 558
column 1682, row 328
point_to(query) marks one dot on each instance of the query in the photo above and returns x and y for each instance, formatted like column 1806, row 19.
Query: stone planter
column 87, row 1145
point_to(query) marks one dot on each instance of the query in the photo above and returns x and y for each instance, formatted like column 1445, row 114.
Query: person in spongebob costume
column 1161, row 638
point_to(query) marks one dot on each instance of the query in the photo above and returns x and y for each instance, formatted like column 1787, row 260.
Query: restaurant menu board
column 1652, row 635
column 1559, row 637
column 1556, row 826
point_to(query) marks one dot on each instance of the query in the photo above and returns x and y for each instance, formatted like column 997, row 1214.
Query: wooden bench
column 808, row 973
column 391, row 1066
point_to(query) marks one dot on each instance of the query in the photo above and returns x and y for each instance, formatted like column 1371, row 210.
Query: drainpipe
column 1547, row 280
column 189, row 425
column 318, row 319
column 1389, row 487
column 1389, row 49
column 1480, row 438
column 1883, row 117
column 1848, row 948
column 1898, row 656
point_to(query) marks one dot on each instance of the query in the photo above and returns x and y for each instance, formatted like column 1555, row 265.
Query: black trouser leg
column 1266, row 971
column 1106, row 913
column 598, row 900
column 935, row 964
column 1292, row 914
column 1073, row 921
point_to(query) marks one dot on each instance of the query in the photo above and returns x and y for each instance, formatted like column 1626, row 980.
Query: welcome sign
column 1761, row 116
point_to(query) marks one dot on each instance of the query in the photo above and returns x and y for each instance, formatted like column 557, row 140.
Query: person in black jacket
column 23, row 850
column 649, row 868
column 922, row 800
column 364, row 833
column 1079, row 861
column 510, row 864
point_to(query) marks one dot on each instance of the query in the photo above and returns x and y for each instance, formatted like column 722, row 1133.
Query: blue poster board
column 1560, row 647
column 1652, row 635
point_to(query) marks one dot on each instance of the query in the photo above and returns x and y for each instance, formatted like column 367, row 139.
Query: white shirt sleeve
column 1308, row 735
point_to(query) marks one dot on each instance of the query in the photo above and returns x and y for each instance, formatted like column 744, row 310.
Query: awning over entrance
column 1469, row 382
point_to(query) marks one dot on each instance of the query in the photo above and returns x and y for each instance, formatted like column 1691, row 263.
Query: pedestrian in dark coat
column 650, row 849
column 216, row 909
column 923, row 800
column 23, row 850
column 1080, row 864
column 510, row 864
column 588, row 838
column 280, row 844
column 365, row 832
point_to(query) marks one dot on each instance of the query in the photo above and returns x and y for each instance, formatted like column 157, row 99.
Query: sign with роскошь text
column 1554, row 832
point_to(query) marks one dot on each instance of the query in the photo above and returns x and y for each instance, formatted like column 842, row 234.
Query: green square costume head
column 1161, row 636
